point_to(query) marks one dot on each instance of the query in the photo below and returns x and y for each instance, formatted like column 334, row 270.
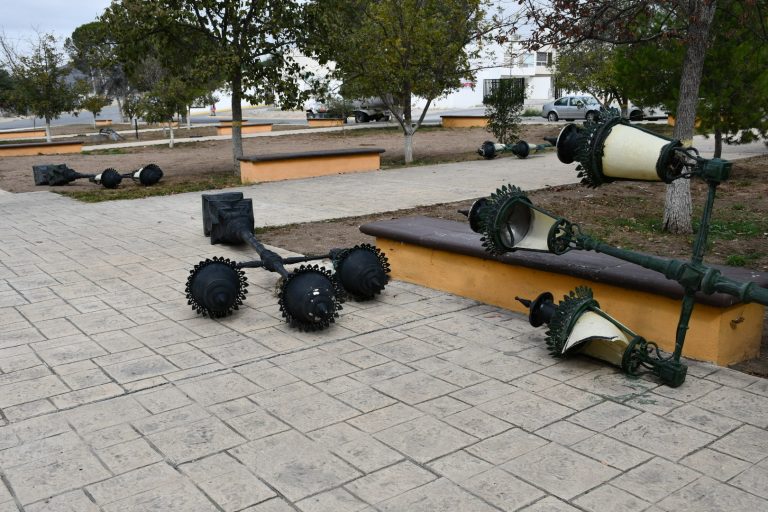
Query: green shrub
column 503, row 107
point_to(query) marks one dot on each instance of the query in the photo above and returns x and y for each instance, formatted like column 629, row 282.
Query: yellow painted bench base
column 307, row 167
column 245, row 129
column 323, row 123
column 103, row 122
column 43, row 148
column 464, row 121
column 720, row 335
column 22, row 134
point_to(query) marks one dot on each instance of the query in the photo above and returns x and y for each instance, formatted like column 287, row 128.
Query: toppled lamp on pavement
column 520, row 149
column 578, row 325
column 60, row 174
column 309, row 297
column 611, row 150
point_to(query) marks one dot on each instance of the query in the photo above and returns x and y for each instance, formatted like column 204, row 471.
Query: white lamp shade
column 632, row 154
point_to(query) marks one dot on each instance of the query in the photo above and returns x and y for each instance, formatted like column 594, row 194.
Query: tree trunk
column 48, row 130
column 170, row 129
column 677, row 209
column 237, row 121
column 94, row 121
column 718, row 143
column 189, row 117
column 120, row 109
column 409, row 146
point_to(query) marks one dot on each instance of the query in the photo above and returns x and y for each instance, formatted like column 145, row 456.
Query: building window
column 543, row 59
column 525, row 60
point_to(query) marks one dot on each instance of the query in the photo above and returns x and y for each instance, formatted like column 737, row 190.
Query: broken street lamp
column 309, row 296
column 578, row 325
column 60, row 174
column 520, row 149
column 607, row 151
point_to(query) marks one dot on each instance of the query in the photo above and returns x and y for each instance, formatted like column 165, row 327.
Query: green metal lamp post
column 607, row 151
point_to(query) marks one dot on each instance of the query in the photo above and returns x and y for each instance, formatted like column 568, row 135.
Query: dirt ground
column 205, row 158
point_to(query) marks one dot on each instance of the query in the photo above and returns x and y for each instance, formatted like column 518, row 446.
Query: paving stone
column 506, row 446
column 111, row 436
column 138, row 369
column 28, row 410
column 449, row 372
column 607, row 497
column 163, row 399
column 440, row 495
column 549, row 504
column 611, row 452
column 124, row 457
column 105, row 321
column 336, row 435
column 715, row 464
column 54, row 474
column 748, row 443
column 184, row 498
column 320, row 368
column 459, row 466
column 703, row 420
column 655, row 479
column 407, row 349
column 87, row 395
column 160, row 334
column 364, row 358
column 414, row 387
column 477, row 423
column 737, row 404
column 30, row 390
column 227, row 482
column 85, row 379
column 219, row 388
column 484, row 392
column 367, row 454
column 257, row 424
column 660, row 436
column 603, row 416
column 442, row 406
column 387, row 417
column 311, row 412
column 707, row 495
column 611, row 383
column 425, row 438
column 382, row 372
column 654, row 403
column 189, row 358
column 526, row 410
column 754, row 480
column 501, row 366
column 293, row 465
column 336, row 500
column 238, row 351
column 75, row 501
column 365, row 399
column 389, row 482
column 564, row 433
column 502, row 489
column 339, row 385
column 194, row 440
column 273, row 505
column 560, row 471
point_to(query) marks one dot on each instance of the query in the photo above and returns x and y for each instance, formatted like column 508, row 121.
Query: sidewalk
column 115, row 396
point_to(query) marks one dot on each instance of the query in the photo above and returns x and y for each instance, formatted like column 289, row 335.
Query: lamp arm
column 693, row 277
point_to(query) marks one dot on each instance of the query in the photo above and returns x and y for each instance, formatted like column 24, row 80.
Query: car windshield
column 588, row 100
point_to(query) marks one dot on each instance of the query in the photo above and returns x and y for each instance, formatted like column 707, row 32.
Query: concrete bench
column 226, row 128
column 463, row 121
column 287, row 166
column 29, row 133
column 41, row 148
column 325, row 122
column 447, row 255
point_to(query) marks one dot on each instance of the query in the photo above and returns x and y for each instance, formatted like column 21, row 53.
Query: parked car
column 637, row 113
column 571, row 108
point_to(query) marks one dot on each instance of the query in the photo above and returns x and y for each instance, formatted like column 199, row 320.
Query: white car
column 646, row 114
column 571, row 108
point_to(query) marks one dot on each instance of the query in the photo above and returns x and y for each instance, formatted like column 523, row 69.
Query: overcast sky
column 20, row 19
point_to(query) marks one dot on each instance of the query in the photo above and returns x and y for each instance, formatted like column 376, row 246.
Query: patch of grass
column 110, row 151
column 731, row 229
column 742, row 260
column 641, row 223
column 98, row 195
column 531, row 112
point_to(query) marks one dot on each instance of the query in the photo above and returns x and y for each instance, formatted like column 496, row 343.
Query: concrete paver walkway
column 115, row 396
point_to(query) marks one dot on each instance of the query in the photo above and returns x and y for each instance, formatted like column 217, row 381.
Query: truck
column 364, row 110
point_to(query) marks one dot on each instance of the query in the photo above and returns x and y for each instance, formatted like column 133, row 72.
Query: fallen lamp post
column 60, row 174
column 610, row 150
column 309, row 296
column 521, row 149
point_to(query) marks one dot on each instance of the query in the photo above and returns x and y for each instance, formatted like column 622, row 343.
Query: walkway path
column 115, row 396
